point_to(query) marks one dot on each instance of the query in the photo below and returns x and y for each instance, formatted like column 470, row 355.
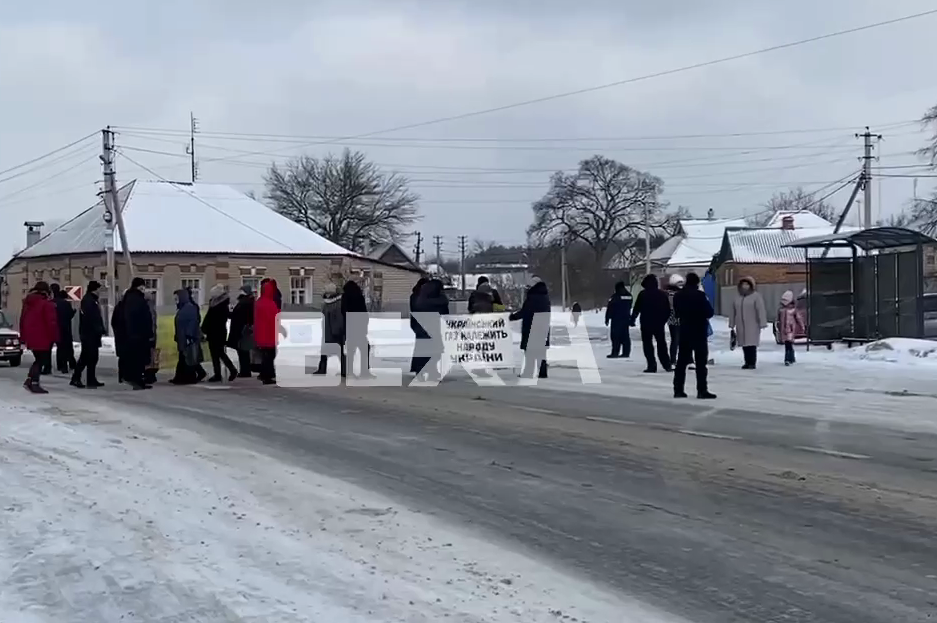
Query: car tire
column 15, row 362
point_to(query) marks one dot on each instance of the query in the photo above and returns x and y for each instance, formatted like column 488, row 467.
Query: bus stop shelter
column 875, row 293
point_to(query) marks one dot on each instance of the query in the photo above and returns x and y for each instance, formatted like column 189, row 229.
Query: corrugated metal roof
column 163, row 217
column 803, row 219
column 767, row 245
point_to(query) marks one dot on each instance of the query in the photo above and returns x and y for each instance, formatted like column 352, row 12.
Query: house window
column 152, row 289
column 194, row 285
column 253, row 281
column 300, row 291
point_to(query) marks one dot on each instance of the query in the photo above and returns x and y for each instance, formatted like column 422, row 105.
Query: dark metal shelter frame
column 874, row 294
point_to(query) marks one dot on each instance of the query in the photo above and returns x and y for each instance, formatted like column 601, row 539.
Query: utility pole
column 190, row 148
column 112, row 214
column 563, row 274
column 647, row 240
column 462, row 240
column 438, row 241
column 867, row 177
column 418, row 249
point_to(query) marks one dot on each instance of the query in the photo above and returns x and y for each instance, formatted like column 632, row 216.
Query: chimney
column 33, row 232
column 711, row 215
column 787, row 222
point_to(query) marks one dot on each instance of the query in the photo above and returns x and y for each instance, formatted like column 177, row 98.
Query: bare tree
column 794, row 200
column 600, row 203
column 346, row 198
column 924, row 211
column 671, row 223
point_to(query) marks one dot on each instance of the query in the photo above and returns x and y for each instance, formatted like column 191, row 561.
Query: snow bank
column 899, row 350
column 108, row 516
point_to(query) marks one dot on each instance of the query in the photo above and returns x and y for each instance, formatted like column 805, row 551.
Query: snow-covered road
column 106, row 515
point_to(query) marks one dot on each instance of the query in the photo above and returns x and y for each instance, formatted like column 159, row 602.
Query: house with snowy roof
column 761, row 254
column 198, row 235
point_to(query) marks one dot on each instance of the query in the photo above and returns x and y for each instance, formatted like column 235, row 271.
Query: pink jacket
column 790, row 324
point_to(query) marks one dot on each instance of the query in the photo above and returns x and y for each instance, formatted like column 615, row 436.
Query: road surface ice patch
column 108, row 516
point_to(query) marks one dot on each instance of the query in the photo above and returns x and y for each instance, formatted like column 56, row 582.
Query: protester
column 187, row 336
column 654, row 308
column 333, row 329
column 747, row 319
column 265, row 331
column 536, row 307
column 241, row 335
column 90, row 332
column 693, row 312
column 215, row 330
column 432, row 299
column 277, row 295
column 119, row 333
column 65, row 347
column 576, row 313
column 419, row 333
column 790, row 325
column 356, row 335
column 482, row 300
column 138, row 319
column 39, row 328
column 618, row 318
column 673, row 322
column 152, row 367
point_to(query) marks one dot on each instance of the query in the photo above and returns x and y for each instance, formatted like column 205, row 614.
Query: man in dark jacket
column 536, row 309
column 241, row 335
column 654, row 308
column 483, row 299
column 140, row 337
column 356, row 336
column 333, row 329
column 618, row 317
column 90, row 332
column 429, row 347
column 693, row 310
column 215, row 330
column 64, row 348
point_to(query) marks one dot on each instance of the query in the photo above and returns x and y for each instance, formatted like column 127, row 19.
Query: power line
column 44, row 156
column 52, row 161
column 45, row 181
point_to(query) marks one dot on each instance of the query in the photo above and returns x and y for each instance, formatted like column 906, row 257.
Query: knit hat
column 676, row 280
column 534, row 281
column 93, row 286
column 246, row 289
column 136, row 283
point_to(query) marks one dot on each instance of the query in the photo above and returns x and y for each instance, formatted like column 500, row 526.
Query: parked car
column 11, row 349
column 930, row 314
column 800, row 307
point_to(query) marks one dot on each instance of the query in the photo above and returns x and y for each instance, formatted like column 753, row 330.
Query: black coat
column 90, row 322
column 652, row 304
column 215, row 323
column 64, row 312
column 353, row 302
column 536, row 301
column 481, row 301
column 618, row 312
column 242, row 317
column 138, row 319
column 431, row 299
column 693, row 310
column 119, row 328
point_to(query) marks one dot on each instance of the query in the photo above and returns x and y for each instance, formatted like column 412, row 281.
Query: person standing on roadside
column 138, row 323
column 333, row 329
column 432, row 300
column 673, row 323
column 188, row 338
column 747, row 319
column 618, row 319
column 39, row 328
column 65, row 347
column 790, row 325
column 654, row 308
column 356, row 335
column 215, row 330
column 419, row 333
column 693, row 310
column 266, row 330
column 90, row 332
column 536, row 309
column 241, row 335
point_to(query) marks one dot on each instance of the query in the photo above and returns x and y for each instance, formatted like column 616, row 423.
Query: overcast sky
column 327, row 69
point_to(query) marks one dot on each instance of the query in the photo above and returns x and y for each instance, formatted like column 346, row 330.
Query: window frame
column 254, row 281
column 158, row 290
column 306, row 289
column 200, row 297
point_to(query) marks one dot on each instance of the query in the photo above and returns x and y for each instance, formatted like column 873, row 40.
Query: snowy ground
column 106, row 515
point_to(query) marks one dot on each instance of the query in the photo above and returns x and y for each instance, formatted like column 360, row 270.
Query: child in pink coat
column 790, row 325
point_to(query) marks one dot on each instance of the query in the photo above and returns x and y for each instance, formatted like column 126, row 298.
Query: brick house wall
column 387, row 286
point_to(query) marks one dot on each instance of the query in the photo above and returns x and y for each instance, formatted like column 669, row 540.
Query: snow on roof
column 802, row 219
column 766, row 245
column 701, row 240
column 166, row 217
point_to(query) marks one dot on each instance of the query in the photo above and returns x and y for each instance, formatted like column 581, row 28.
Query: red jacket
column 39, row 325
column 265, row 316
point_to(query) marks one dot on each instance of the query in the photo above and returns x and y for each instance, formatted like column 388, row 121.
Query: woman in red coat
column 39, row 330
column 265, row 330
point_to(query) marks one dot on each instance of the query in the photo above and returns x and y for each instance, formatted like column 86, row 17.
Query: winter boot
column 707, row 395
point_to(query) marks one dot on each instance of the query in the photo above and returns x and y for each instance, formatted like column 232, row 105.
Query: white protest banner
column 478, row 341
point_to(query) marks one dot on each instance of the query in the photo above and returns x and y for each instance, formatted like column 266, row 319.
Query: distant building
column 196, row 236
column 392, row 253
